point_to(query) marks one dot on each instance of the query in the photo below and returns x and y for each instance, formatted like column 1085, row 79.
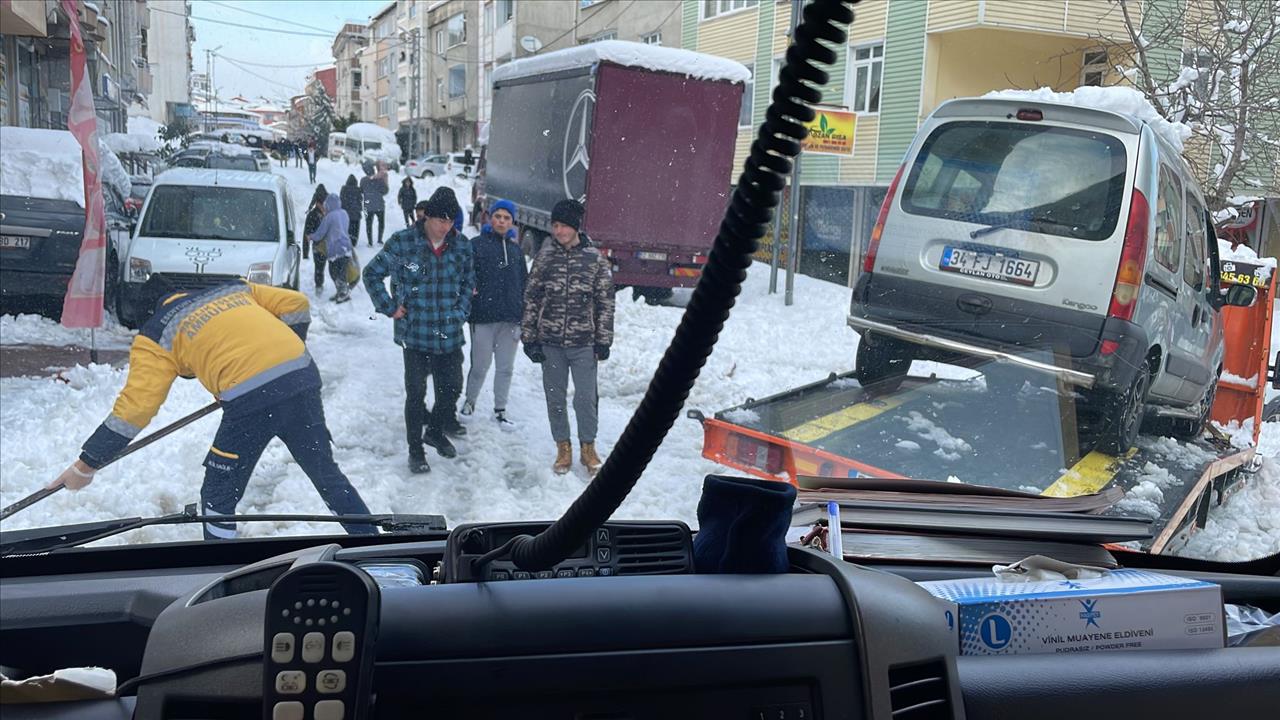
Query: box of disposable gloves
column 1016, row 614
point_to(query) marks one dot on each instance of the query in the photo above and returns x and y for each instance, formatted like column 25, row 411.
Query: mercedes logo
column 575, row 144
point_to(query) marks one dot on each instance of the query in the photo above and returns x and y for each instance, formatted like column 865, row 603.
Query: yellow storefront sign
column 831, row 132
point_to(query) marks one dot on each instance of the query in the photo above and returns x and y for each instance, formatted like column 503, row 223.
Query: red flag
column 82, row 307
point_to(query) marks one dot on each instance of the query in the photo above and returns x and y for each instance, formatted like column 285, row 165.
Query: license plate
column 994, row 266
column 16, row 242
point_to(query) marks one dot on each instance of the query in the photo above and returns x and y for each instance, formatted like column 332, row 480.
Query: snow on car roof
column 1124, row 101
column 631, row 54
column 47, row 164
column 221, row 178
column 369, row 131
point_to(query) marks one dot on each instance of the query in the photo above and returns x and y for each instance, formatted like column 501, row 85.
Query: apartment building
column 512, row 29
column 349, row 76
column 656, row 22
column 385, row 47
column 452, row 71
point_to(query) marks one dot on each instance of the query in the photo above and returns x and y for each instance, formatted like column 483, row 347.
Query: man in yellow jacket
column 245, row 343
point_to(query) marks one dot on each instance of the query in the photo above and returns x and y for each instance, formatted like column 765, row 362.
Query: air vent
column 660, row 550
column 919, row 692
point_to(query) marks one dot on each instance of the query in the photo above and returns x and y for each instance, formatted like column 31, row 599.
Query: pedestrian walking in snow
column 297, row 154
column 374, row 189
column 337, row 245
column 315, row 213
column 313, row 158
column 432, row 282
column 568, row 328
column 352, row 202
column 245, row 343
column 407, row 197
column 496, row 309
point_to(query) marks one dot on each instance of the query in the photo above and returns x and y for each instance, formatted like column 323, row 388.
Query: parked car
column 427, row 166
column 463, row 165
column 42, row 214
column 201, row 228
column 139, row 186
column 262, row 159
column 1112, row 264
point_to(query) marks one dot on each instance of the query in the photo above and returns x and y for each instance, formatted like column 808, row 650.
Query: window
column 440, row 46
column 1048, row 180
column 193, row 212
column 1095, row 68
column 384, row 66
column 1203, row 62
column 1169, row 226
column 606, row 35
column 864, row 89
column 440, row 91
column 712, row 8
column 653, row 38
column 356, row 79
column 384, row 106
column 456, row 27
column 413, row 8
column 748, row 99
column 457, row 80
column 1193, row 268
column 506, row 9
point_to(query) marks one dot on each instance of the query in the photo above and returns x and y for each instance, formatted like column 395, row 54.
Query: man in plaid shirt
column 432, row 280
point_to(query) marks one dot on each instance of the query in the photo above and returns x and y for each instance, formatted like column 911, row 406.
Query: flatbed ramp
column 1027, row 439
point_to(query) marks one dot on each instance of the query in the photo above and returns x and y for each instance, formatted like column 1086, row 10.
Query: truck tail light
column 759, row 454
column 869, row 262
column 1133, row 258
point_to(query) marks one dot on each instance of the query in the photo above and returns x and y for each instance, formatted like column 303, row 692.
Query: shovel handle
column 28, row 501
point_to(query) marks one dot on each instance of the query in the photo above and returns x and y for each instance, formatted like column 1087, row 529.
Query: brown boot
column 564, row 457
column 590, row 459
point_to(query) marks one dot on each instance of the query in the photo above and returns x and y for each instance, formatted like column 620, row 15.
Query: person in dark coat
column 496, row 309
column 315, row 212
column 374, row 188
column 407, row 197
column 313, row 158
column 352, row 202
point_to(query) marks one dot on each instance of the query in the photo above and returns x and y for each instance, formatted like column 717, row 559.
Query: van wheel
column 1191, row 429
column 1123, row 414
column 881, row 362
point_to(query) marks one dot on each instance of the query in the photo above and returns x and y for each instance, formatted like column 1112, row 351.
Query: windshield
column 1016, row 256
column 212, row 213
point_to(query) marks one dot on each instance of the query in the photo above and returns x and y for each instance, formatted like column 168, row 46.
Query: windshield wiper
column 1015, row 222
column 47, row 539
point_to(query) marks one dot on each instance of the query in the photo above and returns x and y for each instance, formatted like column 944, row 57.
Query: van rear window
column 1052, row 180
column 201, row 212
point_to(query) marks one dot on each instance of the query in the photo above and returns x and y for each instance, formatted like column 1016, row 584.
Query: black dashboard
column 825, row 640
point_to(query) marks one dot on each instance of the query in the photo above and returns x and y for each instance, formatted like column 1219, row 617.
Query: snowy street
column 766, row 348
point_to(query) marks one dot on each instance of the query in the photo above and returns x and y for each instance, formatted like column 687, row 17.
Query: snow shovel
column 134, row 446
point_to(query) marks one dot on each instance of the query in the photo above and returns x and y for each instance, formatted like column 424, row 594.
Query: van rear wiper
column 1015, row 222
column 46, row 539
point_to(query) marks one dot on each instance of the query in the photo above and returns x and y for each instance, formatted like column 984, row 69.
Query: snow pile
column 143, row 125
column 1251, row 381
column 37, row 330
column 1171, row 452
column 949, row 446
column 222, row 148
column 1119, row 100
column 129, row 143
column 908, row 445
column 1246, row 254
column 1247, row 525
column 631, row 54
column 1142, row 499
column 742, row 416
column 48, row 164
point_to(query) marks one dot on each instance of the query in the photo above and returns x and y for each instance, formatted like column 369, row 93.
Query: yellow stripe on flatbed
column 821, row 427
column 1093, row 473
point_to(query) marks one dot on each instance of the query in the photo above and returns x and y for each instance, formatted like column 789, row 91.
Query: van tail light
column 869, row 261
column 1109, row 347
column 1133, row 257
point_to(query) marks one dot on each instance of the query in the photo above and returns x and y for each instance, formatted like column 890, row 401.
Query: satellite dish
column 531, row 43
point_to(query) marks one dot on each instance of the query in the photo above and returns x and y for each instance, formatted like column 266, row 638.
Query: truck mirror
column 1241, row 295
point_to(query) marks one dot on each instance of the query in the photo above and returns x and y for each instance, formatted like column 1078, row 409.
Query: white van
column 202, row 228
column 1019, row 226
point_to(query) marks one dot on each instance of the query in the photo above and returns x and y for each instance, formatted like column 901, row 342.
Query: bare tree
column 1213, row 65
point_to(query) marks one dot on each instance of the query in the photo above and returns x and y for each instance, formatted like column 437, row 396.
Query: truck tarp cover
column 655, row 165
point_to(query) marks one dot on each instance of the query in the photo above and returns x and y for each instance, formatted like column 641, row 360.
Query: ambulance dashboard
column 184, row 627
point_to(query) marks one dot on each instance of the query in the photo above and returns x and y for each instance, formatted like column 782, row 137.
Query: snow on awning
column 631, row 54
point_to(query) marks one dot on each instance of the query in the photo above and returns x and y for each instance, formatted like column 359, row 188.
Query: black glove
column 602, row 352
column 534, row 351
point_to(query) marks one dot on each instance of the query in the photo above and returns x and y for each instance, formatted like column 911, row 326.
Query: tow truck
column 1029, row 441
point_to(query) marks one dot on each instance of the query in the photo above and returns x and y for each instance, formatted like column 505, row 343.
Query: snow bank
column 47, row 164
column 142, row 125
column 1120, row 100
column 1247, row 525
column 631, row 54
column 37, row 330
column 131, row 143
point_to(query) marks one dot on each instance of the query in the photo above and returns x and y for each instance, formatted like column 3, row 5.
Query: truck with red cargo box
column 643, row 135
